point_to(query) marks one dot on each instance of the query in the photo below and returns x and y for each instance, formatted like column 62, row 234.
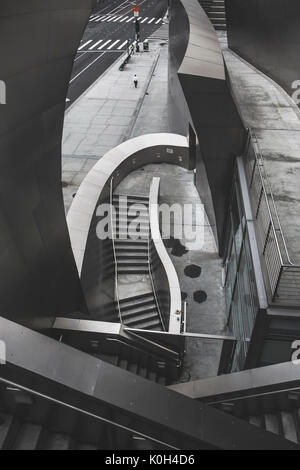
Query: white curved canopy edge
column 84, row 204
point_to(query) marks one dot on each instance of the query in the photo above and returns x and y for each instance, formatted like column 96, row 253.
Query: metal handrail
column 114, row 251
column 153, row 285
column 35, row 393
column 278, row 263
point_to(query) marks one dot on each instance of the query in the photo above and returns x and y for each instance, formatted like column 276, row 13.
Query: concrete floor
column 208, row 317
column 275, row 120
column 112, row 111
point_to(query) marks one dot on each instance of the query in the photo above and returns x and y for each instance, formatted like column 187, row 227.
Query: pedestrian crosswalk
column 93, row 45
column 124, row 19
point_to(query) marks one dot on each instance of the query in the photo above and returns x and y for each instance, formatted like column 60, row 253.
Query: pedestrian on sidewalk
column 135, row 81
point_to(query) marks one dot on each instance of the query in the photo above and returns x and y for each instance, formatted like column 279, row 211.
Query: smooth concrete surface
column 104, row 116
column 267, row 34
column 274, row 118
column 208, row 317
column 202, row 106
column 38, row 42
column 166, row 269
column 153, row 114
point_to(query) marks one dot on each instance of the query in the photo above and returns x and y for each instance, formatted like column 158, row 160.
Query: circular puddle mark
column 193, row 271
column 200, row 296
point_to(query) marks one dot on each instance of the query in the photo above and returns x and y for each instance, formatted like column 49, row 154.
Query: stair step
column 55, row 441
column 137, row 298
column 133, row 262
column 140, row 317
column 83, row 446
column 133, row 270
column 139, row 310
column 147, row 325
column 136, row 306
column 289, row 426
column 5, row 424
column 132, row 255
column 272, row 423
column 28, row 437
column 119, row 242
column 130, row 202
column 132, row 196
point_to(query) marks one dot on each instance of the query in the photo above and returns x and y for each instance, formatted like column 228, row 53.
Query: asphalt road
column 105, row 39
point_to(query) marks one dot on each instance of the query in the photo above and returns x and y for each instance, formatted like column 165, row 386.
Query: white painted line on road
column 125, row 18
column 85, row 44
column 106, row 18
column 145, row 19
column 100, row 18
column 103, row 45
column 158, row 21
column 118, row 18
column 95, row 45
column 112, row 18
column 130, row 19
column 80, row 73
column 113, row 44
column 122, row 45
column 81, row 55
column 151, row 21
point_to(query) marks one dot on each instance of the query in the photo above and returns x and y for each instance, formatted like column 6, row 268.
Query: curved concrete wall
column 267, row 34
column 38, row 42
column 94, row 257
column 201, row 98
column 165, row 277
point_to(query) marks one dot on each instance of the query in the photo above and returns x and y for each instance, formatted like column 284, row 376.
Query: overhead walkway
column 268, row 398
column 63, row 398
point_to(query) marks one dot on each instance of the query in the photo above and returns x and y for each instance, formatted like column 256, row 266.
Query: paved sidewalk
column 105, row 115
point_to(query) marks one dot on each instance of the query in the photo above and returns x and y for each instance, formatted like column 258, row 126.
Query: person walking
column 135, row 81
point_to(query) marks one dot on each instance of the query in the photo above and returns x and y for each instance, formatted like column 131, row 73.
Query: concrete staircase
column 141, row 312
column 132, row 255
column 215, row 10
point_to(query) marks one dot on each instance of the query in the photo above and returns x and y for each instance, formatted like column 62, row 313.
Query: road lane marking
column 123, row 19
column 113, row 44
column 118, row 18
column 112, row 18
column 85, row 44
column 106, row 18
column 103, row 45
column 122, row 45
column 130, row 19
column 151, row 21
column 145, row 19
column 158, row 21
column 80, row 73
column 95, row 45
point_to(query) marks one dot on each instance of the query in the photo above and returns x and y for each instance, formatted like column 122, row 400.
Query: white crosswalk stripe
column 95, row 45
column 113, row 44
column 123, row 45
column 85, row 44
column 103, row 45
column 122, row 18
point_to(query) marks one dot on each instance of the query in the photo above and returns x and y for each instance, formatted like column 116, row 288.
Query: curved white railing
column 175, row 307
column 117, row 163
